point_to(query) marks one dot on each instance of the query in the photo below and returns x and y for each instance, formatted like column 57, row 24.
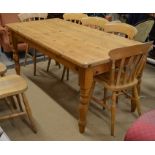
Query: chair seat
column 105, row 80
column 143, row 128
column 12, row 85
column 2, row 69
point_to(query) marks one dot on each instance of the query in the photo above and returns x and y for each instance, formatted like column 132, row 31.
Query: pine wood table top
column 79, row 44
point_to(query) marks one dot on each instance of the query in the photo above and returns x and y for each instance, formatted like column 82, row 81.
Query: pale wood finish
column 32, row 16
column 79, row 44
column 12, row 84
column 116, row 21
column 126, row 66
column 124, row 30
column 26, row 17
column 3, row 69
column 79, row 48
column 74, row 17
column 94, row 22
column 15, row 85
column 121, row 29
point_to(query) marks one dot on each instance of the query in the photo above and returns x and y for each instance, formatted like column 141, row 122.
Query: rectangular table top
column 79, row 44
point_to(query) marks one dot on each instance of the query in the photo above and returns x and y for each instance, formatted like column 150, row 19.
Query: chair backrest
column 144, row 29
column 116, row 21
column 74, row 17
column 6, row 18
column 94, row 22
column 5, row 39
column 32, row 16
column 121, row 29
column 127, row 63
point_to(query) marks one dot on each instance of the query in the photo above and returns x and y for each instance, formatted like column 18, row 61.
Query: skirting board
column 151, row 61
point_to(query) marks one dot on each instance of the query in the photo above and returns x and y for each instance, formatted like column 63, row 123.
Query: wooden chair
column 124, row 30
column 94, row 22
column 126, row 65
column 116, row 21
column 76, row 18
column 3, row 69
column 5, row 39
column 32, row 16
column 142, row 35
column 26, row 17
column 15, row 86
column 121, row 29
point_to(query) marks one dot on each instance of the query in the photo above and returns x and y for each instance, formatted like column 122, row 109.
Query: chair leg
column 113, row 113
column 63, row 73
column 57, row 64
column 137, row 101
column 104, row 97
column 67, row 73
column 13, row 102
column 44, row 58
column 49, row 63
column 34, row 61
column 117, row 97
column 139, row 83
column 26, row 54
column 2, row 49
column 138, row 86
column 91, row 90
column 19, row 102
column 29, row 113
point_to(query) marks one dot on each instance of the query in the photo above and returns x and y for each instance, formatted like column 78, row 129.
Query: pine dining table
column 80, row 48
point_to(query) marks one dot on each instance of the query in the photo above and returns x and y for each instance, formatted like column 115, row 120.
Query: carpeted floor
column 55, row 108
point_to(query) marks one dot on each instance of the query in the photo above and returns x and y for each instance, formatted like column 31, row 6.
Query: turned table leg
column 86, row 80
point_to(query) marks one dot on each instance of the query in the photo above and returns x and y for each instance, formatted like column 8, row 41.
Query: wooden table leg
column 15, row 55
column 86, row 80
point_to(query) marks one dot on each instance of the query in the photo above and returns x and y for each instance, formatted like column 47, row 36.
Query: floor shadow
column 66, row 93
column 61, row 92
